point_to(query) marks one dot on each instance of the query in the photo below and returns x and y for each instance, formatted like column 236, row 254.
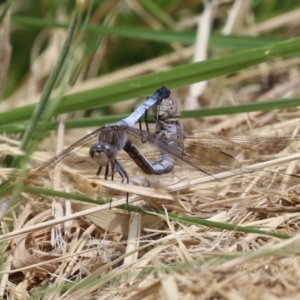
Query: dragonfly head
column 166, row 109
column 103, row 153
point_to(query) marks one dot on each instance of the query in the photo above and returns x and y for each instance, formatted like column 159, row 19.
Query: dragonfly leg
column 99, row 171
column 118, row 167
column 112, row 175
column 106, row 172
column 146, row 120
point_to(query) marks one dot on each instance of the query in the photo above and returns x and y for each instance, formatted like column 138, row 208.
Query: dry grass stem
column 103, row 252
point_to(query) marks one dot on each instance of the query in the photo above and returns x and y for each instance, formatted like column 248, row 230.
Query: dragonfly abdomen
column 162, row 165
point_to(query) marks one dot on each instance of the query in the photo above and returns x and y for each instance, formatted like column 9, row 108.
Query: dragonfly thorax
column 172, row 131
column 114, row 135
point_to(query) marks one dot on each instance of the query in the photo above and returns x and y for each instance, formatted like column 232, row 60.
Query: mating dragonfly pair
column 166, row 141
column 202, row 157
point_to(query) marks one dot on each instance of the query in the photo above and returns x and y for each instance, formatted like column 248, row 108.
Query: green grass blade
column 243, row 108
column 175, row 77
column 164, row 36
column 55, row 74
column 32, row 134
column 4, row 10
column 181, row 218
column 204, row 112
column 158, row 12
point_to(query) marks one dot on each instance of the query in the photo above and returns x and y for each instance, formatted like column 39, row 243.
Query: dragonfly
column 165, row 146
column 104, row 145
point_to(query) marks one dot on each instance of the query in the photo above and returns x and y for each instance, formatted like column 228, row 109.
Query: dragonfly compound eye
column 172, row 107
column 102, row 153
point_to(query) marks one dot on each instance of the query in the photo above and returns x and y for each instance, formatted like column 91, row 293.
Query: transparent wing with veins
column 219, row 152
column 169, row 149
column 202, row 157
